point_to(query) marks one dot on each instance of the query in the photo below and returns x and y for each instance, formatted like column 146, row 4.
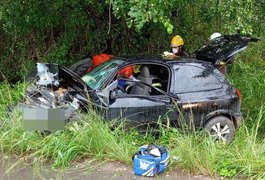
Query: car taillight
column 239, row 95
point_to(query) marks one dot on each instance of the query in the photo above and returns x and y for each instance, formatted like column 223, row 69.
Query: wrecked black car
column 173, row 92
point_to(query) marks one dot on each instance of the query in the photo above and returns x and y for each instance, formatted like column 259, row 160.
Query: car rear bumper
column 238, row 119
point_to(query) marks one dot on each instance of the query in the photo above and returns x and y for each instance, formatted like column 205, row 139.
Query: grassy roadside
column 91, row 138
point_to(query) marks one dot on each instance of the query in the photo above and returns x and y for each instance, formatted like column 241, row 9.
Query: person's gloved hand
column 169, row 55
column 129, row 84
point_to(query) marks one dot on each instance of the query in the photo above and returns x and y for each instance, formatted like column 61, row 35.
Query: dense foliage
column 67, row 31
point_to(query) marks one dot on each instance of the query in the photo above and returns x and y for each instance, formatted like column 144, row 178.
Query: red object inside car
column 99, row 59
column 126, row 72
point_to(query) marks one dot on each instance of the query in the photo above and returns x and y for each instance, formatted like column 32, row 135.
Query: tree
column 64, row 31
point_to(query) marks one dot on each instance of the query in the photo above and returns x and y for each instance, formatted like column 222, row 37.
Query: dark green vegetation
column 65, row 32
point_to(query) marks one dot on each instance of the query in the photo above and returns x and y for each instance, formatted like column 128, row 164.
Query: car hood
column 62, row 73
column 223, row 48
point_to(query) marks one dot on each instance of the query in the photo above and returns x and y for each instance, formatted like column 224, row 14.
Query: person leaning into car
column 221, row 66
column 177, row 48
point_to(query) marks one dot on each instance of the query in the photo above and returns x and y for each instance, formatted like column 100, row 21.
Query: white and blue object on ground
column 150, row 160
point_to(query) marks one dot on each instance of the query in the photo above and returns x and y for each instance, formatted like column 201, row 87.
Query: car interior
column 151, row 74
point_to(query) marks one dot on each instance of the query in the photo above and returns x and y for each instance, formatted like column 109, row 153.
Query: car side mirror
column 106, row 93
column 113, row 94
column 110, row 87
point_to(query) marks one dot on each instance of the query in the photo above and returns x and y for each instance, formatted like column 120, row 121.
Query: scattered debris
column 51, row 90
column 46, row 77
column 176, row 158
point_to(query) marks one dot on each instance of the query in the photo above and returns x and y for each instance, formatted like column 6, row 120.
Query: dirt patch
column 11, row 170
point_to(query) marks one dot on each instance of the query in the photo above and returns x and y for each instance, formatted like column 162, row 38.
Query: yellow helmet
column 176, row 41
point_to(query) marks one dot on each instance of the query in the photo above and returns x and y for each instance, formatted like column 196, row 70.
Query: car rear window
column 189, row 78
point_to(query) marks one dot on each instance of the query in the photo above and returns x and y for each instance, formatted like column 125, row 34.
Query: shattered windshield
column 96, row 77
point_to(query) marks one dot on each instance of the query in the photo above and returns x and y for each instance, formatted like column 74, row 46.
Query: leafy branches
column 138, row 13
column 66, row 31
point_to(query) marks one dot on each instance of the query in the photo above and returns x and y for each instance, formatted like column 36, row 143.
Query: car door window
column 151, row 74
column 190, row 78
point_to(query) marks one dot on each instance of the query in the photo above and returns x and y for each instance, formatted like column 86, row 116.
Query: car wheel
column 221, row 128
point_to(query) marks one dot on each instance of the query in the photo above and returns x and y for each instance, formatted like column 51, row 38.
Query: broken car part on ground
column 174, row 92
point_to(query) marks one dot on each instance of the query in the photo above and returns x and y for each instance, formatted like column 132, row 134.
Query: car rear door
column 199, row 90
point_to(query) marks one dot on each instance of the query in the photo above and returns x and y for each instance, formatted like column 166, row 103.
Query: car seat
column 140, row 88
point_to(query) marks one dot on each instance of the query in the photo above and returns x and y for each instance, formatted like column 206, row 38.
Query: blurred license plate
column 43, row 119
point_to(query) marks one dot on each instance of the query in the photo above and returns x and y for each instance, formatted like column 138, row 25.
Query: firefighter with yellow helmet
column 177, row 48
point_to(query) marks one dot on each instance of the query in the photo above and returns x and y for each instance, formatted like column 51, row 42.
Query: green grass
column 90, row 138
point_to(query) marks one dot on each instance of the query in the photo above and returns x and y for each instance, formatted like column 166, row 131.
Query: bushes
column 247, row 74
column 67, row 31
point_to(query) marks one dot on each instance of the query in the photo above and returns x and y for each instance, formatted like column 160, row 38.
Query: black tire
column 221, row 128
